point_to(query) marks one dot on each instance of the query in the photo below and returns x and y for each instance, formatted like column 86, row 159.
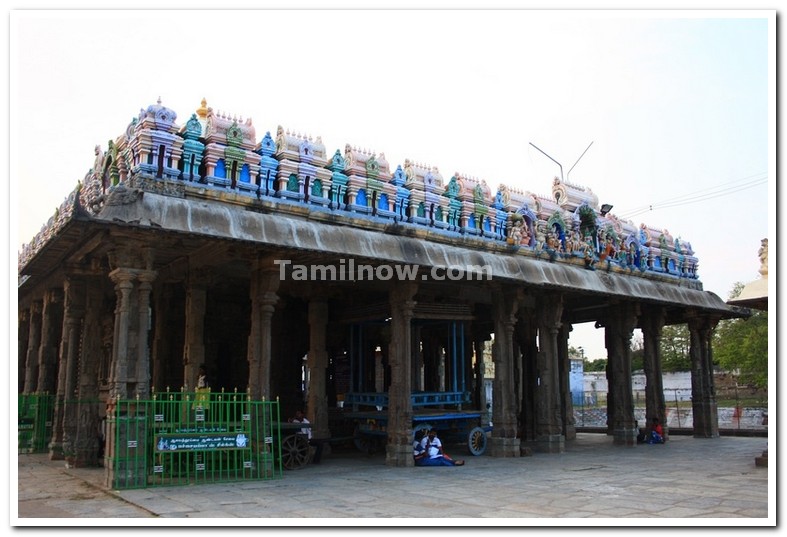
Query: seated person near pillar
column 642, row 433
column 300, row 417
column 419, row 452
column 656, row 433
column 435, row 456
column 202, row 395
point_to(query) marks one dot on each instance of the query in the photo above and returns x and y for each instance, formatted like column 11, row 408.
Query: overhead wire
column 699, row 195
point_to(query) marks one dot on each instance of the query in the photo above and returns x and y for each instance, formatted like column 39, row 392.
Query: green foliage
column 637, row 353
column 737, row 287
column 596, row 365
column 742, row 344
column 675, row 343
column 637, row 359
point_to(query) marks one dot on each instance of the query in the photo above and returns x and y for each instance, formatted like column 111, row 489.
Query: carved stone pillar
column 23, row 337
column 159, row 351
column 51, row 329
column 194, row 344
column 479, row 344
column 703, row 391
column 64, row 422
column 621, row 322
column 652, row 323
column 118, row 371
column 263, row 287
column 418, row 360
column 33, row 347
column 317, row 362
column 88, row 433
column 504, row 441
column 564, row 373
column 399, row 450
column 133, row 277
column 549, row 428
column 145, row 284
column 526, row 337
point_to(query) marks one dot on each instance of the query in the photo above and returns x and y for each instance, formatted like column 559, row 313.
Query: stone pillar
column 160, row 344
column 64, row 422
column 418, row 360
column 264, row 284
column 621, row 322
column 564, row 373
column 399, row 450
column 526, row 337
column 652, row 323
column 118, row 369
column 504, row 441
column 549, row 428
column 479, row 343
column 193, row 343
column 23, row 336
column 51, row 329
column 33, row 347
column 88, row 431
column 132, row 276
column 145, row 284
column 317, row 362
column 703, row 391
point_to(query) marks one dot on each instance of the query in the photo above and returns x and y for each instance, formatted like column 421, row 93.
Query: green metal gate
column 34, row 425
column 184, row 438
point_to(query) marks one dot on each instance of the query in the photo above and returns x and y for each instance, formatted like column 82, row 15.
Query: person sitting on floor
column 419, row 452
column 656, row 435
column 642, row 433
column 435, row 456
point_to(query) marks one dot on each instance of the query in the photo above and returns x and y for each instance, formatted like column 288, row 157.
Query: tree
column 675, row 343
column 637, row 352
column 742, row 345
column 596, row 365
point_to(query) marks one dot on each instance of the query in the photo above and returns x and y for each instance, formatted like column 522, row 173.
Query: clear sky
column 679, row 106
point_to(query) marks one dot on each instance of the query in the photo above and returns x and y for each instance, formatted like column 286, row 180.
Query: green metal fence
column 184, row 438
column 34, row 423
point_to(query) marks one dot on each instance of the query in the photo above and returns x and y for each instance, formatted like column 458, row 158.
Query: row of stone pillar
column 67, row 323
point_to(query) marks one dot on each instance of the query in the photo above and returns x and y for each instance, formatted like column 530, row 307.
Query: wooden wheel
column 363, row 442
column 295, row 451
column 476, row 441
column 368, row 443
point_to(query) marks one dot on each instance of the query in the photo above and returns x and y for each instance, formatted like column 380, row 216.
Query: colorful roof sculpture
column 220, row 156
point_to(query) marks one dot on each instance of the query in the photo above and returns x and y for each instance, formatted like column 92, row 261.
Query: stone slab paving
column 688, row 481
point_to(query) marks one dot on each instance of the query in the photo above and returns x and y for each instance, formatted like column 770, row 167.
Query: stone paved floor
column 688, row 481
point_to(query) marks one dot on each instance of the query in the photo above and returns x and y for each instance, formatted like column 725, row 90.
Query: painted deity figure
column 98, row 165
column 632, row 254
column 348, row 156
column 608, row 251
column 478, row 194
column 553, row 242
column 505, row 194
column 516, row 233
column 525, row 234
column 763, row 255
column 280, row 142
column 540, row 239
column 588, row 250
column 409, row 171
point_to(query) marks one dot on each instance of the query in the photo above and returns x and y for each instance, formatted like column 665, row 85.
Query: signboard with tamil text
column 201, row 442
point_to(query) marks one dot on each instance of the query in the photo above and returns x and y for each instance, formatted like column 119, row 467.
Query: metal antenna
column 550, row 158
column 580, row 156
